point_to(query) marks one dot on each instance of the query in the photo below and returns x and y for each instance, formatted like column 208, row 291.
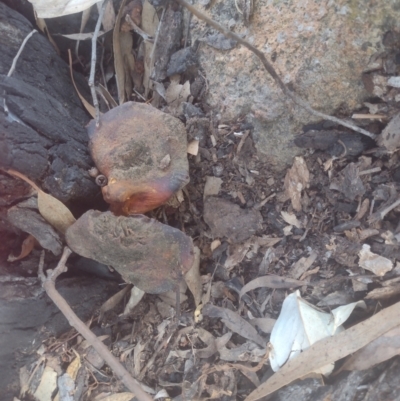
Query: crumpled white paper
column 300, row 325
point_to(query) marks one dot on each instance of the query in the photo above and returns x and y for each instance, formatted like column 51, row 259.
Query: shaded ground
column 249, row 221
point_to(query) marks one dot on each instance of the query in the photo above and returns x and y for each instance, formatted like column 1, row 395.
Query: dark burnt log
column 42, row 128
column 43, row 135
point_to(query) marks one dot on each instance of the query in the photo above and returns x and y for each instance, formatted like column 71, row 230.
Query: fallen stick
column 271, row 70
column 48, row 283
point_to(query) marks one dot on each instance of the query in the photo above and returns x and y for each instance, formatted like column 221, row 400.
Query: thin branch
column 48, row 283
column 139, row 31
column 93, row 62
column 271, row 70
column 14, row 63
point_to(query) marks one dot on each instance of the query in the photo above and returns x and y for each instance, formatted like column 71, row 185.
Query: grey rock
column 226, row 219
column 320, row 49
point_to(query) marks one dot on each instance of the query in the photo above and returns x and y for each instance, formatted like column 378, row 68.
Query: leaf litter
column 245, row 227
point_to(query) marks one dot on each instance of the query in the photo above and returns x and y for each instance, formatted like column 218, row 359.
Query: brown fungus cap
column 142, row 152
column 147, row 253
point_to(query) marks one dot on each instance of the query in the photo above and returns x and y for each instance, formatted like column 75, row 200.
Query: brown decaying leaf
column 377, row 351
column 193, row 147
column 234, row 322
column 296, row 180
column 302, row 265
column 212, row 186
column 112, row 302
column 192, row 278
column 236, row 254
column 330, row 350
column 41, row 23
column 84, row 20
column 390, row 136
column 52, row 210
column 90, row 109
column 271, row 281
column 108, row 21
column 377, row 264
column 26, row 249
column 263, row 323
column 118, row 56
column 126, row 43
column 134, row 10
column 150, row 23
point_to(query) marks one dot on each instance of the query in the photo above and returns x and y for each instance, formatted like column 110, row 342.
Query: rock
column 318, row 48
column 226, row 219
column 147, row 253
column 27, row 218
column 142, row 152
column 181, row 61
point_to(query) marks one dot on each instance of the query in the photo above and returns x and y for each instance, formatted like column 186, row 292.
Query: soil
column 248, row 221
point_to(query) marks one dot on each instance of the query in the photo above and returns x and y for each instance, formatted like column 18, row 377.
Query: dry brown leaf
column 90, row 109
column 52, row 210
column 136, row 296
column 296, row 180
column 112, row 302
column 108, row 21
column 390, row 136
column 330, row 350
column 291, row 219
column 119, row 397
column 26, row 249
column 377, row 351
column 192, row 278
column 234, row 322
column 126, row 43
column 84, row 20
column 384, row 292
column 265, row 324
column 74, row 366
column 193, row 147
column 150, row 22
column 377, row 264
column 111, row 103
column 118, row 56
column 176, row 94
column 213, row 344
column 41, row 23
column 271, row 281
column 55, row 212
column 82, row 36
column 212, row 187
column 302, row 265
column 267, row 241
column 236, row 254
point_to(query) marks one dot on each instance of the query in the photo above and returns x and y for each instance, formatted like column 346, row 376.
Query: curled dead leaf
column 26, row 248
column 54, row 211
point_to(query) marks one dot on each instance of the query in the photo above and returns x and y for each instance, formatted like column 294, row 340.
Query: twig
column 380, row 215
column 370, row 171
column 48, row 283
column 93, row 62
column 271, row 70
column 139, row 31
column 14, row 63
